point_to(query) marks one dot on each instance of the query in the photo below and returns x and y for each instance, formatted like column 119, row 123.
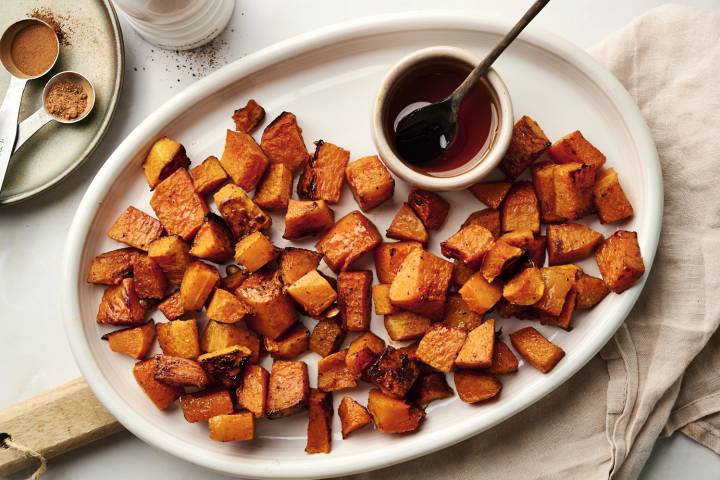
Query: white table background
column 35, row 354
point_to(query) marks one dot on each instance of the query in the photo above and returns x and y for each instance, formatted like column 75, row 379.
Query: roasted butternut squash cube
column 135, row 228
column 620, row 261
column 275, row 188
column 178, row 207
column 234, row 278
column 240, row 213
column 559, row 280
column 609, row 197
column 213, row 241
column 179, row 338
column 469, row 245
column 208, row 176
column 248, row 117
column 326, row 337
column 590, row 290
column 477, row 351
column 120, row 305
column 172, row 307
column 479, row 294
column 543, row 177
column 353, row 295
column 218, row 336
column 236, row 427
column 498, row 258
column 180, row 372
column 393, row 372
column 255, row 251
column 320, row 418
column 273, row 310
column 491, row 193
column 573, row 190
column 461, row 273
column 381, row 299
column 504, row 360
column 160, row 394
column 321, row 178
column 525, row 288
column 347, row 240
column 225, row 307
column 527, row 143
column 296, row 262
column 539, row 352
column 225, row 366
column 370, row 182
column 573, row 148
column 198, row 283
column 430, row 207
column 172, row 254
column 111, row 267
column 252, row 394
column 571, row 242
column 488, row 218
column 293, row 343
column 429, row 387
column 363, row 351
column 421, row 284
column 509, row 310
column 407, row 226
column 520, row 209
column 307, row 218
column 243, row 160
column 282, row 142
column 459, row 315
column 164, row 157
column 536, row 251
column 564, row 320
column 334, row 374
column 313, row 292
column 440, row 345
column 390, row 256
column 288, row 388
column 353, row 416
column 406, row 325
column 150, row 281
column 474, row 386
column 392, row 415
column 205, row 405
column 133, row 341
column 518, row 238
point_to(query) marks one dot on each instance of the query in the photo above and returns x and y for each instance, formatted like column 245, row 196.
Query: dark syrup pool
column 477, row 119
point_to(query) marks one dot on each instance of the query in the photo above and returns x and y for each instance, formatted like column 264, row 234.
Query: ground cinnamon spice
column 67, row 100
column 34, row 49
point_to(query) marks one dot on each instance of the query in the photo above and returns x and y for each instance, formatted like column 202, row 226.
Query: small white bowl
column 490, row 157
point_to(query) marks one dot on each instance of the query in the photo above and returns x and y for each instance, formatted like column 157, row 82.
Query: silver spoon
column 425, row 133
column 41, row 117
column 13, row 97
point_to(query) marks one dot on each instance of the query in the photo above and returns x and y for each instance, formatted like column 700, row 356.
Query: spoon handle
column 29, row 126
column 8, row 122
column 487, row 62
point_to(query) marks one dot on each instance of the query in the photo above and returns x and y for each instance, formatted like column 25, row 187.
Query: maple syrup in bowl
column 484, row 123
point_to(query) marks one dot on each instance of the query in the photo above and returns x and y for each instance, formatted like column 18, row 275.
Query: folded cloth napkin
column 661, row 372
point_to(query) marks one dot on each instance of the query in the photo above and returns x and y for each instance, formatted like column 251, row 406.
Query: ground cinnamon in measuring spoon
column 67, row 100
column 34, row 49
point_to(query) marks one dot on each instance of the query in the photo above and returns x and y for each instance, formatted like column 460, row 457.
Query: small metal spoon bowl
column 38, row 119
column 6, row 42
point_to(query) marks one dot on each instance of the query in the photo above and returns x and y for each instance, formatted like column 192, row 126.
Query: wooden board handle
column 53, row 423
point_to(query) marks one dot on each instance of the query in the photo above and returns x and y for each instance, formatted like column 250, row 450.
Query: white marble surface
column 36, row 354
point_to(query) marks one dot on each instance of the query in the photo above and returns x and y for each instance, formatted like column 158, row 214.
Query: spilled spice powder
column 66, row 100
column 58, row 23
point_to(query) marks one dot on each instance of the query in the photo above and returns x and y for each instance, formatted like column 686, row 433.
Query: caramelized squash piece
column 179, row 338
column 205, row 405
column 350, row 238
column 275, row 188
column 573, row 190
column 504, row 360
column 536, row 349
column 225, row 307
column 208, row 176
column 353, row 416
column 296, row 262
column 469, row 245
column 392, row 415
column 326, row 337
column 488, row 218
column 235, row 427
column 461, row 273
column 241, row 214
column 243, row 160
column 620, row 261
column 353, row 294
column 498, row 258
column 321, row 178
column 591, row 291
column 393, row 372
column 180, row 372
column 440, row 345
column 134, row 341
column 313, row 292
column 273, row 310
column 319, row 431
column 491, row 193
column 252, row 394
column 255, row 251
column 172, row 254
column 213, row 241
column 430, row 207
column 282, row 142
column 178, row 207
column 458, row 314
column 120, row 305
column 421, row 284
column 563, row 320
column 198, row 283
column 164, row 157
column 150, row 281
column 536, row 251
column 225, row 366
column 477, row 351
column 479, row 294
column 381, row 299
column 609, row 197
column 370, row 182
column 571, row 242
column 559, row 280
column 407, row 226
column 406, row 325
column 172, row 307
column 574, row 148
column 363, row 351
column 248, row 117
column 218, row 336
column 334, row 374
column 160, row 394
column 307, row 218
column 543, row 177
column 288, row 389
column 429, row 387
column 111, row 267
column 390, row 256
column 474, row 386
column 525, row 288
column 135, row 228
column 527, row 143
column 520, row 209
column 234, row 278
column 293, row 343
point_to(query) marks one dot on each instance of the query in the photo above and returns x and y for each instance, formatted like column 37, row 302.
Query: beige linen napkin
column 661, row 371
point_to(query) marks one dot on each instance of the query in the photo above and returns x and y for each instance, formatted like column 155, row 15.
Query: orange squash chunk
column 390, row 256
column 429, row 387
column 469, row 245
column 504, row 360
column 353, row 293
column 543, row 176
column 363, row 351
column 111, row 267
column 160, row 394
column 563, row 320
column 307, row 218
column 241, row 214
column 353, row 416
column 296, row 262
column 180, row 372
column 319, row 432
column 477, row 351
column 134, row 341
column 322, row 178
column 164, row 157
column 620, row 261
column 252, row 394
column 172, row 307
column 213, row 241
column 136, row 228
column 392, row 415
column 120, row 305
column 350, row 238
column 474, row 386
column 591, row 291
column 407, row 226
column 536, row 349
column 248, row 117
column 574, row 148
column 334, row 374
column 491, row 193
column 573, row 190
column 421, row 284
column 381, row 299
column 173, row 256
column 394, row 372
column 198, row 283
column 282, row 142
column 459, row 315
column 208, row 176
column 150, row 282
column 206, row 404
column 405, row 325
column 610, row 200
column 440, row 345
column 326, row 337
column 525, row 288
column 430, row 207
column 370, row 182
column 498, row 258
column 236, row 427
column 571, row 242
column 275, row 188
column 488, row 218
column 479, row 294
column 313, row 292
column 255, row 251
column 243, row 160
column 520, row 209
column 218, row 336
column 527, row 143
column 179, row 338
column 288, row 388
column 293, row 343
column 559, row 280
column 461, row 273
column 225, row 307
column 178, row 207
column 273, row 310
